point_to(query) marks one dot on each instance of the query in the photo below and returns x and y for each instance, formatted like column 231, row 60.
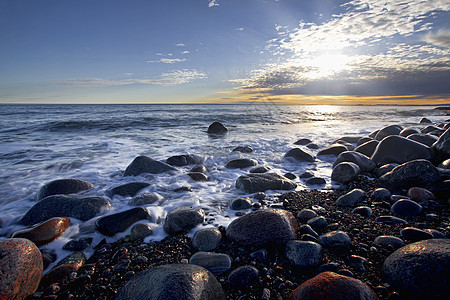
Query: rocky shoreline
column 349, row 243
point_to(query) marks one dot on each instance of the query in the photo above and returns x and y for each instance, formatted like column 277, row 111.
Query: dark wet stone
column 240, row 203
column 390, row 220
column 71, row 263
column 367, row 148
column 307, row 229
column 385, row 169
column 183, row 219
column 390, row 130
column 197, row 176
column 408, row 131
column 335, row 239
column 206, row 239
column 318, row 223
column 334, row 149
column 122, row 266
column 175, row 281
column 184, row 160
column 312, row 146
column 260, row 255
column 381, row 194
column 345, row 172
column 63, row 187
column 352, row 198
column 144, row 164
column 364, row 140
column 415, row 234
column 305, row 214
column 252, row 183
column 44, row 232
column 424, row 120
column 290, row 176
column 306, row 175
column 216, row 263
column 243, row 149
column 406, row 208
column 426, row 139
column 145, row 199
column 241, row 163
column 363, row 162
column 261, row 169
column 200, row 169
column 141, row 231
column 303, row 142
column 217, row 128
column 303, row 255
column 78, row 245
column 299, row 155
column 127, row 189
column 243, row 276
column 315, row 181
column 111, row 224
column 363, row 211
column 183, row 189
column 82, row 208
column 389, row 240
column 357, row 263
column 420, row 270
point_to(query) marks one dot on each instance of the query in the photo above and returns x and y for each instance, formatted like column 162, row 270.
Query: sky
column 225, row 51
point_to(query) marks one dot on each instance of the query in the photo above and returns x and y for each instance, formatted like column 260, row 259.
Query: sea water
column 95, row 143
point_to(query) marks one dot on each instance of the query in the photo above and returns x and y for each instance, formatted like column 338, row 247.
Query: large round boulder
column 442, row 145
column 329, row 285
column 363, row 162
column 145, row 164
column 175, row 281
column 217, row 128
column 345, row 172
column 183, row 219
column 426, row 139
column 127, row 189
column 368, row 148
column 420, row 270
column 184, row 160
column 82, row 208
column 20, row 268
column 63, row 187
column 299, row 155
column 389, row 130
column 397, row 149
column 111, row 224
column 44, row 232
column 333, row 149
column 261, row 182
column 263, row 227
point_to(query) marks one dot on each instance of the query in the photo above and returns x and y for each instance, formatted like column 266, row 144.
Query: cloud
column 239, row 29
column 440, row 38
column 213, row 3
column 167, row 60
column 177, row 77
column 180, row 45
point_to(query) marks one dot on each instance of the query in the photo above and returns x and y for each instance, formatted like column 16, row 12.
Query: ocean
column 95, row 143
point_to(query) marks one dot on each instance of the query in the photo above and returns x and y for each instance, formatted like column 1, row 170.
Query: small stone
column 217, row 128
column 415, row 234
column 216, row 263
column 306, row 175
column 303, row 142
column 78, row 245
column 140, row 231
column 390, row 220
column 63, row 187
column 315, row 181
column 260, row 169
column 243, row 276
column 389, row 240
column 111, row 224
column 299, row 155
column 352, row 198
column 335, row 239
column 206, row 239
column 420, row 194
column 145, row 199
column 318, row 223
column 406, row 208
column 306, row 229
column 345, row 172
column 183, row 219
column 303, row 255
column 363, row 211
column 198, row 176
column 240, row 203
column 127, row 189
column 306, row 214
column 241, row 163
column 243, row 149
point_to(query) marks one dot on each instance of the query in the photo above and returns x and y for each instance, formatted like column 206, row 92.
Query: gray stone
column 262, row 227
column 184, row 160
column 406, row 208
column 408, row 131
column 352, row 198
column 303, row 255
column 206, row 239
column 345, row 172
column 420, row 194
column 363, row 162
column 390, row 130
column 243, row 276
column 434, row 130
column 260, row 169
column 253, row 183
column 141, row 231
column 144, row 164
column 426, row 139
column 127, row 189
column 389, row 240
column 364, row 140
column 420, row 270
column 217, row 128
column 175, row 281
column 307, row 229
column 240, row 203
column 357, row 263
column 442, row 145
column 318, row 223
column 390, row 220
column 241, row 163
column 306, row 174
column 368, row 148
column 78, row 245
column 363, row 211
column 216, row 263
column 335, row 239
column 145, row 199
column 385, row 169
column 333, row 149
column 199, row 169
column 183, row 219
column 305, row 214
column 63, row 187
column 82, row 208
column 315, row 181
column 198, row 176
column 415, row 234
column 303, row 142
column 111, row 224
column 243, row 149
column 397, row 149
column 416, row 173
column 424, row 120
column 300, row 155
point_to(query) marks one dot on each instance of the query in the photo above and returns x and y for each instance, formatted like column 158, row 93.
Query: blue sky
column 224, row 51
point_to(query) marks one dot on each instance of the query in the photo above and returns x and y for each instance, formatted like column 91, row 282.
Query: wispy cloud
column 177, row 77
column 167, row 60
column 180, row 45
column 239, row 29
column 440, row 38
column 213, row 3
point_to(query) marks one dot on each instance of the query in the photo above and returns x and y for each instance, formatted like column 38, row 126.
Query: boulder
column 303, row 142
column 260, row 169
column 390, row 130
column 241, row 163
column 243, row 276
column 415, row 234
column 420, row 270
column 206, row 239
column 145, row 199
column 299, row 155
column 199, row 169
column 63, row 187
column 82, row 208
column 217, row 128
column 240, row 203
column 389, row 240
column 183, row 218
column 334, row 239
column 406, row 208
column 367, row 148
column 397, row 149
column 44, row 232
column 20, row 268
column 216, row 263
column 380, row 195
column 141, row 231
column 330, row 285
column 333, row 149
column 352, row 198
column 111, row 224
column 424, row 120
column 198, row 176
column 442, row 145
column 262, row 182
column 243, row 149
column 306, row 214
column 364, row 140
column 408, row 131
column 434, row 130
column 363, row 162
column 184, row 160
column 174, row 281
column 303, row 255
column 145, row 164
column 416, row 173
column 426, row 139
column 263, row 227
column 318, row 223
column 345, row 172
column 127, row 189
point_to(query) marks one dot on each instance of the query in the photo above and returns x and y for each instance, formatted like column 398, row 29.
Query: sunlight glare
column 327, row 65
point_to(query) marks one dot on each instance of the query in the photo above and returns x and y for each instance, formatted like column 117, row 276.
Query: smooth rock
column 390, row 220
column 127, row 189
column 420, row 194
column 426, row 139
column 198, row 176
column 241, row 163
column 111, row 224
column 381, row 194
column 305, row 214
column 367, row 148
column 217, row 128
column 406, row 208
column 141, row 231
column 63, row 187
column 240, row 203
column 380, row 171
column 408, row 131
column 20, row 268
column 216, row 263
column 389, row 240
column 184, row 160
column 145, row 199
column 312, row 146
column 420, row 270
column 364, row 140
column 243, row 276
column 183, row 219
column 345, row 172
column 318, row 223
column 264, row 226
column 82, row 208
column 71, row 263
column 390, row 130
column 315, row 181
column 307, row 229
column 363, row 211
column 335, row 239
column 44, row 232
column 415, row 234
column 253, row 183
column 290, row 176
column 174, row 281
column 243, row 149
column 306, row 175
column 330, row 285
column 260, row 169
column 445, row 164
column 416, row 173
column 357, row 263
column 200, row 169
column 424, row 120
column 363, row 162
column 352, row 198
column 303, row 255
column 145, row 164
column 333, row 149
column 206, row 239
column 397, row 149
column 78, row 245
column 303, row 142
column 434, row 130
column 300, row 155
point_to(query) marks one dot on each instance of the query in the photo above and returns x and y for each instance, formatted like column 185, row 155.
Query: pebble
column 206, row 239
column 352, row 198
column 240, row 203
column 303, row 254
column 363, row 211
column 216, row 263
column 380, row 195
column 318, row 223
column 315, row 181
column 389, row 240
column 243, row 276
column 406, row 208
column 306, row 214
column 415, row 234
column 390, row 220
column 140, row 231
column 335, row 239
column 307, row 229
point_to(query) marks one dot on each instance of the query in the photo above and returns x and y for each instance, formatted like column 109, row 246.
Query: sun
column 327, row 65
